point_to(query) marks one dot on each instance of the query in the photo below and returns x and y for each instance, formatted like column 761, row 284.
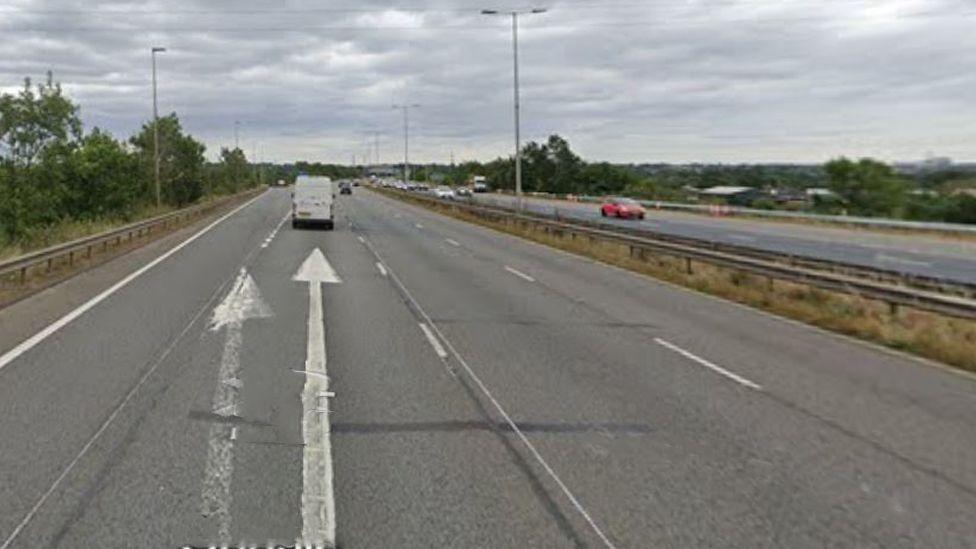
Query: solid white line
column 318, row 500
column 894, row 259
column 40, row 336
column 497, row 405
column 731, row 375
column 381, row 268
column 108, row 421
column 361, row 239
column 519, row 273
column 742, row 237
column 418, row 225
column 438, row 348
column 452, row 242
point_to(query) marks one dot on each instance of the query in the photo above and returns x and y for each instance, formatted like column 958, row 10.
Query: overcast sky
column 642, row 81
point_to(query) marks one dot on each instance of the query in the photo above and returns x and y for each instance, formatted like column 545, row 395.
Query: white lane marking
column 452, row 242
column 361, row 239
column 243, row 302
column 418, row 225
column 381, row 268
column 46, row 332
column 718, row 369
column 108, row 421
column 497, row 405
column 274, row 233
column 518, row 273
column 742, row 237
column 316, row 268
column 884, row 258
column 318, row 499
column 432, row 339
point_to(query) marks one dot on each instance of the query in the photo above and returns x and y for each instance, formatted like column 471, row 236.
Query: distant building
column 738, row 196
column 929, row 165
column 822, row 192
column 790, row 197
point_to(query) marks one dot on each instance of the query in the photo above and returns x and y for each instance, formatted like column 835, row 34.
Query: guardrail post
column 49, row 260
column 892, row 308
column 688, row 269
column 88, row 252
column 71, row 257
column 23, row 274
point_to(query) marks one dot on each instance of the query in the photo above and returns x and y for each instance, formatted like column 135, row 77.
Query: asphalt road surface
column 427, row 383
column 912, row 254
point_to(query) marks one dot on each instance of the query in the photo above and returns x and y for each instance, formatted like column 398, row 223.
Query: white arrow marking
column 242, row 303
column 316, row 268
column 318, row 500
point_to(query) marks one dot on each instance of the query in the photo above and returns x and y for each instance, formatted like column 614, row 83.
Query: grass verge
column 72, row 229
column 930, row 335
column 17, row 285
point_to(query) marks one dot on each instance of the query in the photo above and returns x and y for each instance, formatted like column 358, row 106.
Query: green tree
column 34, row 120
column 962, row 209
column 103, row 179
column 181, row 161
column 605, row 178
column 233, row 172
column 867, row 187
column 39, row 130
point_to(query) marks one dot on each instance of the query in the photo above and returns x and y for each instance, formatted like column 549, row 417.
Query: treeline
column 863, row 187
column 52, row 171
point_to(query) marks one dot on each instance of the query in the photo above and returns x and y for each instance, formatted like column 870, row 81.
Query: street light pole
column 154, row 51
column 515, row 59
column 406, row 139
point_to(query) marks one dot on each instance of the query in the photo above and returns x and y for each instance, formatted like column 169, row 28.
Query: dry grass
column 69, row 229
column 945, row 339
column 20, row 284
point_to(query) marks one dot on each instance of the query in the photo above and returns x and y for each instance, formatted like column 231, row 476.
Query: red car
column 622, row 207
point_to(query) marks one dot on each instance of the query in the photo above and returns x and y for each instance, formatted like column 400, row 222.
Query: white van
column 313, row 201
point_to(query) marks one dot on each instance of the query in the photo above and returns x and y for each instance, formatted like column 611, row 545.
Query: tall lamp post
column 154, row 51
column 406, row 139
column 518, row 145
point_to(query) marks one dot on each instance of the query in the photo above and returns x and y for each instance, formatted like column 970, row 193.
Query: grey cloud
column 672, row 80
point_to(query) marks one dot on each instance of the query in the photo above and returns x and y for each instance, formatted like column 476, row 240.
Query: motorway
column 918, row 255
column 409, row 380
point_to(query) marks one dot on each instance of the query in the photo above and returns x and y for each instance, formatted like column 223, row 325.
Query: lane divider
column 434, row 334
column 519, row 274
column 274, row 233
column 453, row 242
column 45, row 333
column 718, row 369
column 381, row 268
column 438, row 348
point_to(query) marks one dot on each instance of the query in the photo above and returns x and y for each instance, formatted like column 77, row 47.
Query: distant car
column 345, row 188
column 626, row 208
column 282, row 183
column 462, row 191
column 480, row 187
column 444, row 192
